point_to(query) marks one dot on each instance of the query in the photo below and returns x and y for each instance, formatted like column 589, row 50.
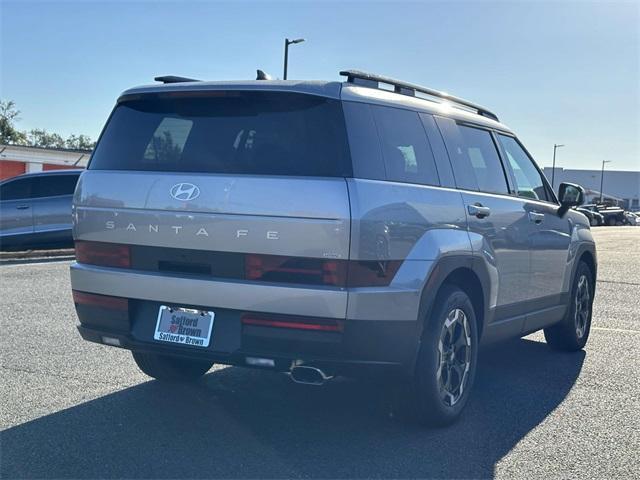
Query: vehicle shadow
column 240, row 423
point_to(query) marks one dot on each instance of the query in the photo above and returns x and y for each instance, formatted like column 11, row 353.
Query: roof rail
column 373, row 81
column 174, row 79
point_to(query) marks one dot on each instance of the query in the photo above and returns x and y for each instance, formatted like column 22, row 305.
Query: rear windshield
column 261, row 133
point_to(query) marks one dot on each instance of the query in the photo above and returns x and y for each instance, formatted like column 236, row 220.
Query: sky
column 555, row 72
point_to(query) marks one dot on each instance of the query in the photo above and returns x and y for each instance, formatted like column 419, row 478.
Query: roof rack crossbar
column 174, row 79
column 405, row 88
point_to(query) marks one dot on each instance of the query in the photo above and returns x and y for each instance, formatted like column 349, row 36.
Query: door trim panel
column 521, row 318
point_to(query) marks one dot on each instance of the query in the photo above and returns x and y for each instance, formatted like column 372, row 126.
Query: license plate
column 184, row 325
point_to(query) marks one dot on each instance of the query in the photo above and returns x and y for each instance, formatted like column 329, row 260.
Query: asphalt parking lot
column 77, row 410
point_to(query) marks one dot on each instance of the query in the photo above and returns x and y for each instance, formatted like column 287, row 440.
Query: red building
column 17, row 159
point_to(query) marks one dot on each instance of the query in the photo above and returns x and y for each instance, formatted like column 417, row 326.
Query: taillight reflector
column 102, row 301
column 104, row 254
column 372, row 273
column 295, row 323
column 311, row 271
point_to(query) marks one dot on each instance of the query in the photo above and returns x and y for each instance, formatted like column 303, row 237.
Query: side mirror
column 570, row 195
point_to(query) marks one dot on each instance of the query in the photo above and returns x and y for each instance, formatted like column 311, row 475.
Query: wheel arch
column 467, row 280
column 463, row 272
column 585, row 252
column 589, row 258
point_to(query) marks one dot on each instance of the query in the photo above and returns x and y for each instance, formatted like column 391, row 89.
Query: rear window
column 260, row 133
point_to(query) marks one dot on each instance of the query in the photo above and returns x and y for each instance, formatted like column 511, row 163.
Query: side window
column 528, row 179
column 405, row 148
column 55, row 185
column 363, row 141
column 474, row 158
column 16, row 190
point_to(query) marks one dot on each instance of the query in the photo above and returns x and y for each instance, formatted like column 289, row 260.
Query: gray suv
column 369, row 226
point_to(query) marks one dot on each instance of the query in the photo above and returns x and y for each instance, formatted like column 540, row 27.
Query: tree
column 163, row 149
column 80, row 142
column 37, row 137
column 9, row 114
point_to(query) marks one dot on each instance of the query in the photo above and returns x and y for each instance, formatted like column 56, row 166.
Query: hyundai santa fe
column 369, row 226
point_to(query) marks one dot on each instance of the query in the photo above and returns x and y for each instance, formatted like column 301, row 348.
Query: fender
column 439, row 274
column 581, row 249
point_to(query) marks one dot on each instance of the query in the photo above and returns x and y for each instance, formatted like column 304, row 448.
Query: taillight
column 104, row 254
column 102, row 301
column 318, row 271
column 372, row 273
column 295, row 323
column 311, row 271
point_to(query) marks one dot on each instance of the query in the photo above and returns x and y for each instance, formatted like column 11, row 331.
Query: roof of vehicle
column 321, row 88
column 330, row 89
column 47, row 173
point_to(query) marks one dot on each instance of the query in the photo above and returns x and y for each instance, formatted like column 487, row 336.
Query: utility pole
column 602, row 178
column 553, row 169
column 288, row 42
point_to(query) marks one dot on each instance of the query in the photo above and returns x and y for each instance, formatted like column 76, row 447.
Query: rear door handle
column 536, row 217
column 478, row 210
column 22, row 207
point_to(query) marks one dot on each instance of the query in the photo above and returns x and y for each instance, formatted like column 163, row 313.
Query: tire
column 571, row 334
column 593, row 222
column 611, row 222
column 434, row 398
column 171, row 369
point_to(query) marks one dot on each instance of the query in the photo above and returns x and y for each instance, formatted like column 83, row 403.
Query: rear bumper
column 362, row 347
column 386, row 340
column 283, row 361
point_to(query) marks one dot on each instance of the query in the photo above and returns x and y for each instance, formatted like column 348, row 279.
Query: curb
column 27, row 254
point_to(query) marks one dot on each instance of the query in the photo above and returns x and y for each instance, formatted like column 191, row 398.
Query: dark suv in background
column 320, row 229
column 35, row 209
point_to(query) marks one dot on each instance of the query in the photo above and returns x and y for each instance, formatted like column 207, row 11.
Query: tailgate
column 292, row 216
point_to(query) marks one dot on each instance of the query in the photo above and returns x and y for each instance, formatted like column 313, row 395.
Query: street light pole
column 553, row 169
column 602, row 178
column 288, row 42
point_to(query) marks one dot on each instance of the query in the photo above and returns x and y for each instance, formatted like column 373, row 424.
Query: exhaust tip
column 309, row 375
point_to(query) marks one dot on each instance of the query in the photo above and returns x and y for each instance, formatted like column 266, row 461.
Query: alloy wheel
column 582, row 306
column 454, row 357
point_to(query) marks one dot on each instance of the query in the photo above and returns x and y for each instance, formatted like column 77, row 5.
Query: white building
column 621, row 187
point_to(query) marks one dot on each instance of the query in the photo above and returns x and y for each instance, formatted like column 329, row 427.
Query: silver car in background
column 35, row 209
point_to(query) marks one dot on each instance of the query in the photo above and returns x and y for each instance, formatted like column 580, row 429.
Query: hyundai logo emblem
column 185, row 192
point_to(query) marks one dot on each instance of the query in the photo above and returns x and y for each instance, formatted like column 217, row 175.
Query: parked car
column 595, row 218
column 35, row 209
column 632, row 218
column 321, row 229
column 612, row 215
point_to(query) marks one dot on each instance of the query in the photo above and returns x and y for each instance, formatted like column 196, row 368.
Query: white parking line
column 621, row 330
